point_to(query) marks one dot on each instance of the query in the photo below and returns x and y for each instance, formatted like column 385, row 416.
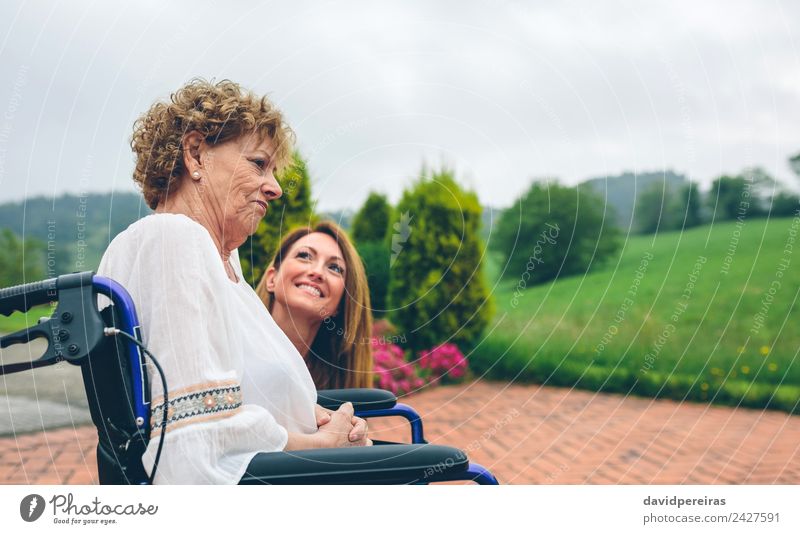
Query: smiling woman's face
column 240, row 184
column 310, row 282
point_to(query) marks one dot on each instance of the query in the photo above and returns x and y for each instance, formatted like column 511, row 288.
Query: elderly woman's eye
column 260, row 163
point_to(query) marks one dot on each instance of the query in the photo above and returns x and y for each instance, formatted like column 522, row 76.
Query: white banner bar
column 402, row 509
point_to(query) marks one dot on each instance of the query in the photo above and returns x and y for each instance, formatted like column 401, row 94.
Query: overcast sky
column 503, row 92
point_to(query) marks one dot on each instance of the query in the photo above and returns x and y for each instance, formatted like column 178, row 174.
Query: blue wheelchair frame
column 401, row 410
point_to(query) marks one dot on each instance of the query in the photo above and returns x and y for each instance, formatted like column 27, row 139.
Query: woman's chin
column 307, row 307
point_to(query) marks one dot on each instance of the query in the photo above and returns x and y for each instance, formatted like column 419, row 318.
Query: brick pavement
column 530, row 435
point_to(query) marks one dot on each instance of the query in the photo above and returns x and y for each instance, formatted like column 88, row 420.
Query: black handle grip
column 23, row 297
column 362, row 398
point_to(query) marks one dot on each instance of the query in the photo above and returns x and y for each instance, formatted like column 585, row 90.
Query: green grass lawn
column 674, row 315
column 18, row 321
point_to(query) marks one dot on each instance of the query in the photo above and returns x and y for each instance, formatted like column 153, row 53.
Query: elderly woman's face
column 240, row 183
column 310, row 282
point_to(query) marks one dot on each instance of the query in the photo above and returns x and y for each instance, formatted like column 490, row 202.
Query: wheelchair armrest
column 379, row 464
column 363, row 399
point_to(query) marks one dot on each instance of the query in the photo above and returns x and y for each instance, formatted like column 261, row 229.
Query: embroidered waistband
column 197, row 404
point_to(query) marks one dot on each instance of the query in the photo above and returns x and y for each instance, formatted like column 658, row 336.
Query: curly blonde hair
column 220, row 111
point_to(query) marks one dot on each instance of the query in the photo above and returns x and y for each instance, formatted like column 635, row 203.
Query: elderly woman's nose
column 271, row 188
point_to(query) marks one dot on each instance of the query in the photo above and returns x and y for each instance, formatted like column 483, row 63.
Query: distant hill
column 621, row 191
column 74, row 229
column 77, row 230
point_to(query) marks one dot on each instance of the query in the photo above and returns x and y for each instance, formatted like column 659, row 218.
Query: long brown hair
column 341, row 354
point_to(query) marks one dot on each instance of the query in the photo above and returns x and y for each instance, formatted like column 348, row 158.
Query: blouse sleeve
column 176, row 279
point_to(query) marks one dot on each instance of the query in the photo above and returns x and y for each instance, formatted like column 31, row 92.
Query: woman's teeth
column 311, row 290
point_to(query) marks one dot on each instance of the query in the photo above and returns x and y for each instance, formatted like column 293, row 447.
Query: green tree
column 370, row 226
column 372, row 220
column 728, row 198
column 554, row 230
column 652, row 209
column 22, row 261
column 784, row 204
column 437, row 291
column 794, row 163
column 375, row 255
column 688, row 208
column 291, row 210
column 660, row 208
column 746, row 194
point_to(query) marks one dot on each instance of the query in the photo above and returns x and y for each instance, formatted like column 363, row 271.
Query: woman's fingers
column 346, row 409
column 359, row 431
column 345, row 428
column 323, row 415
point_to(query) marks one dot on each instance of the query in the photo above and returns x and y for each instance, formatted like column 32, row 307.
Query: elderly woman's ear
column 192, row 143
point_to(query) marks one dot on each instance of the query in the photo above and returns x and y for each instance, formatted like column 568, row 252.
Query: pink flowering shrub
column 445, row 361
column 392, row 371
column 382, row 328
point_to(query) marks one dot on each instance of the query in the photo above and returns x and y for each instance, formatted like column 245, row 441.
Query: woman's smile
column 311, row 289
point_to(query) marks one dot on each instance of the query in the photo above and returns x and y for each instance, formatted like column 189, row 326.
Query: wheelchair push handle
column 74, row 328
column 25, row 296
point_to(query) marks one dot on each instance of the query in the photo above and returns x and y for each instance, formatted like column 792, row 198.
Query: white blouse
column 202, row 327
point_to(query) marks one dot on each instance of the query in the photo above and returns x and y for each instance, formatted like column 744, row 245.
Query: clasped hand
column 341, row 428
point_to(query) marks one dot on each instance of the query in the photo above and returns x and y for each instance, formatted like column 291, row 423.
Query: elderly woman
column 205, row 162
column 316, row 290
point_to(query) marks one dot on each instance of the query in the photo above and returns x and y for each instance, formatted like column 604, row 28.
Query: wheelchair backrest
column 113, row 372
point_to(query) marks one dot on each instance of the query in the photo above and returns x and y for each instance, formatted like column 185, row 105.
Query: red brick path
column 530, row 435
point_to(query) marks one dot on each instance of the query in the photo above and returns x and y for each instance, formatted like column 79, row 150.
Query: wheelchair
column 107, row 345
